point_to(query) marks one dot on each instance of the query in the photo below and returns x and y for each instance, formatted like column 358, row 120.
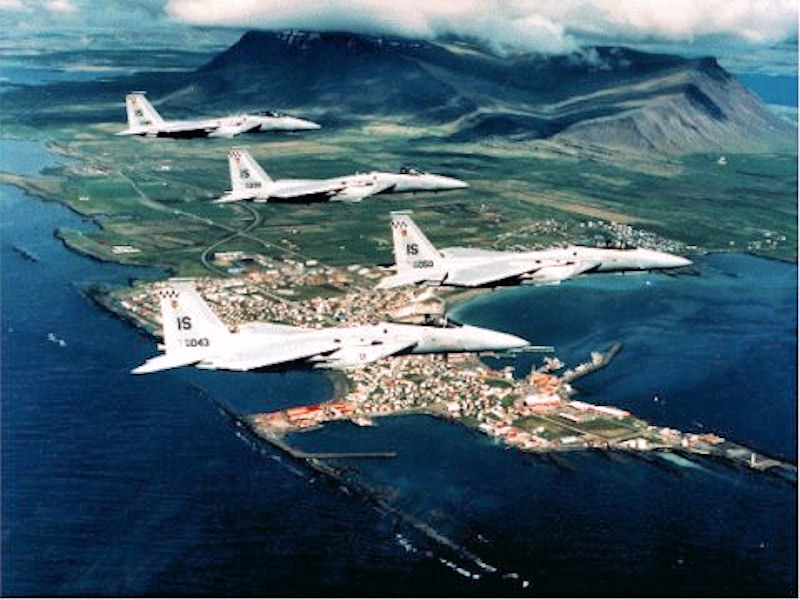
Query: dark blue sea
column 120, row 485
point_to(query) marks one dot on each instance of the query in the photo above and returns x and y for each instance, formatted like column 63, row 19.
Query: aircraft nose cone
column 671, row 261
column 449, row 183
column 303, row 124
column 682, row 262
column 506, row 341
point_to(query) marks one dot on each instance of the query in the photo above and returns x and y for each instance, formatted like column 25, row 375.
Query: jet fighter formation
column 250, row 182
column 194, row 335
column 144, row 120
column 418, row 261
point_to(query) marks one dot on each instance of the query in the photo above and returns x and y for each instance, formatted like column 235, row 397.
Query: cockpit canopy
column 620, row 244
column 268, row 113
column 407, row 170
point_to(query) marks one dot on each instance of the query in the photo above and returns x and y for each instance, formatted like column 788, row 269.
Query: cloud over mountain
column 550, row 26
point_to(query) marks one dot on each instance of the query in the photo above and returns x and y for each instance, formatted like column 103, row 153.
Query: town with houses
column 537, row 413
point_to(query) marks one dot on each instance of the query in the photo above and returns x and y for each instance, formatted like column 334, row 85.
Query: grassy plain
column 155, row 195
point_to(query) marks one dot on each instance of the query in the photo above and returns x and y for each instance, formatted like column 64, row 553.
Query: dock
column 598, row 361
column 278, row 442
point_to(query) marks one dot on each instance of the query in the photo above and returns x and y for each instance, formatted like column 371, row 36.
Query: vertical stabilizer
column 412, row 250
column 141, row 113
column 192, row 332
column 188, row 322
column 248, row 179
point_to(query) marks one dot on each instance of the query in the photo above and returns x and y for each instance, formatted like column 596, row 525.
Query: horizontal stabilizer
column 164, row 362
column 409, row 278
column 232, row 197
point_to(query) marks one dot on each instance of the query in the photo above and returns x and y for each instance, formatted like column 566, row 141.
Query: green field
column 155, row 195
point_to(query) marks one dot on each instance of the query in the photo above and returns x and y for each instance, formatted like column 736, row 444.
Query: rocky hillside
column 607, row 96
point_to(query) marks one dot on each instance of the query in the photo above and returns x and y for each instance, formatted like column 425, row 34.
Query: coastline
column 341, row 383
column 559, row 423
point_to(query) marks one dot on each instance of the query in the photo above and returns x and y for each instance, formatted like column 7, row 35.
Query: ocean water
column 714, row 351
column 121, row 485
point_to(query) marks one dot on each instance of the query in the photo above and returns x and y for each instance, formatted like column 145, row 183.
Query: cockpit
column 407, row 170
column 427, row 319
column 268, row 113
column 442, row 321
column 619, row 244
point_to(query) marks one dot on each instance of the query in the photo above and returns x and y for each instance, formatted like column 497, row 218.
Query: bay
column 121, row 485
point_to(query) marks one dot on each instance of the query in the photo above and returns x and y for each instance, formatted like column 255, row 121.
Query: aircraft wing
column 352, row 356
column 557, row 273
column 356, row 193
column 489, row 272
column 186, row 127
column 310, row 188
column 267, row 356
column 232, row 129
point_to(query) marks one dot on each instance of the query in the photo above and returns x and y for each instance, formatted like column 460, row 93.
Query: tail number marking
column 196, row 342
column 422, row 264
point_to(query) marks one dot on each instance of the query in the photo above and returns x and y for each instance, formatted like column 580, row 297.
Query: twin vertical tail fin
column 248, row 179
column 416, row 259
column 192, row 332
column 141, row 113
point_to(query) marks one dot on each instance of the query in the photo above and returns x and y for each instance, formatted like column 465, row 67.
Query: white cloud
column 755, row 21
column 12, row 5
column 502, row 25
column 495, row 22
column 544, row 25
column 39, row 6
column 60, row 6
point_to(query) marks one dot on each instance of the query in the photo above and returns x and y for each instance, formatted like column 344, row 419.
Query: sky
column 502, row 26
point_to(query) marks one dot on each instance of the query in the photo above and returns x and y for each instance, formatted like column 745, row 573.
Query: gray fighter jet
column 250, row 182
column 194, row 335
column 144, row 120
column 418, row 261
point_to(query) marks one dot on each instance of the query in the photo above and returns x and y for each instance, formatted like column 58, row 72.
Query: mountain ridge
column 606, row 95
column 597, row 97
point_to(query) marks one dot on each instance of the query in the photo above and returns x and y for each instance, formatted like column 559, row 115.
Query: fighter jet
column 418, row 261
column 250, row 182
column 194, row 335
column 143, row 119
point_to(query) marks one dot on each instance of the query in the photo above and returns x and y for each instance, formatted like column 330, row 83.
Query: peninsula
column 537, row 413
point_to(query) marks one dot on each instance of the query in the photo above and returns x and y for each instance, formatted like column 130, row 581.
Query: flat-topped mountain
column 606, row 96
column 610, row 96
